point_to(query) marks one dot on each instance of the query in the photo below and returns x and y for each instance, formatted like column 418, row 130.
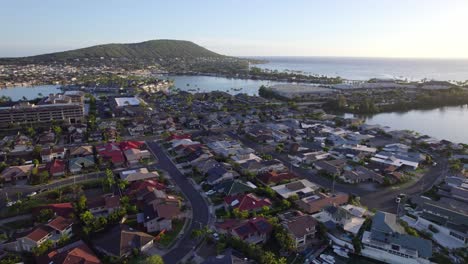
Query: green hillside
column 148, row 50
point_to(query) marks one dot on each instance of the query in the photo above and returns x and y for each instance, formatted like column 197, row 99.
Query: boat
column 327, row 258
column 341, row 252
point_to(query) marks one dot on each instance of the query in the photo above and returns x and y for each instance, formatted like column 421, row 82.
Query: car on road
column 32, row 194
column 400, row 197
column 210, row 192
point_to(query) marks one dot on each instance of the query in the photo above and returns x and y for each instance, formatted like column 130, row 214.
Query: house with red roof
column 246, row 202
column 182, row 136
column 131, row 145
column 56, row 167
column 255, row 230
column 59, row 209
column 112, row 153
column 140, row 188
column 74, row 253
column 54, row 230
column 274, row 178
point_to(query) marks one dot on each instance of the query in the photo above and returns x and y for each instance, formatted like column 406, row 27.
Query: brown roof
column 112, row 201
column 75, row 253
column 274, row 177
column 168, row 211
column 39, row 233
column 60, row 223
column 81, row 150
column 316, row 203
column 301, row 225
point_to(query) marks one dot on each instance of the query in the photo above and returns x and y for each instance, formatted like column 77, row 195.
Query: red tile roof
column 137, row 186
column 61, row 209
column 131, row 145
column 76, row 253
column 56, row 166
column 39, row 233
column 246, row 202
column 60, row 223
column 112, row 152
column 274, row 177
column 174, row 136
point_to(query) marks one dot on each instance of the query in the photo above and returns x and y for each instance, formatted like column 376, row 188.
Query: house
column 253, row 231
column 59, row 209
column 46, row 138
column 273, row 177
column 233, row 187
column 16, row 173
column 300, row 188
column 75, row 253
column 341, row 217
column 301, row 227
column 48, row 154
column 450, row 223
column 138, row 175
column 333, row 168
column 54, row 230
column 33, row 239
column 81, row 151
column 140, row 188
column 388, row 242
column 218, row 174
column 134, row 156
column 246, row 202
column 256, row 167
column 361, row 174
column 56, row 167
column 103, row 205
column 111, row 153
column 152, row 221
column 315, row 203
column 75, row 165
column 121, row 241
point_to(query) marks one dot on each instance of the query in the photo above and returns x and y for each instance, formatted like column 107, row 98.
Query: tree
column 154, row 259
column 109, row 180
column 43, row 248
column 87, row 218
column 80, row 205
column 45, row 215
column 57, row 130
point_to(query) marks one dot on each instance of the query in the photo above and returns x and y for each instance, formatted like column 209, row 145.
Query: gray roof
column 386, row 229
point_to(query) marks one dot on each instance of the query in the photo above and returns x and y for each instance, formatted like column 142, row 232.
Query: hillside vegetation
column 149, row 50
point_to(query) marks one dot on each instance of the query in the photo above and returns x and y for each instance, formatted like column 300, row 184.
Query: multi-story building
column 31, row 113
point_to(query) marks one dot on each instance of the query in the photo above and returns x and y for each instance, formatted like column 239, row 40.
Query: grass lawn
column 170, row 236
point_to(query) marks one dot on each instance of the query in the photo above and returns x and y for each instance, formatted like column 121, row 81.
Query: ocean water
column 367, row 68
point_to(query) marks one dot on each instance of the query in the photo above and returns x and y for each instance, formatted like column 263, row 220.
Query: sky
column 357, row 28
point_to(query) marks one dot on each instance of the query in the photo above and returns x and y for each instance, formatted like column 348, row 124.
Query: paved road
column 200, row 209
column 381, row 198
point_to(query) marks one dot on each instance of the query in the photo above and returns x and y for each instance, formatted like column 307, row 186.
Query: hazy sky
column 369, row 28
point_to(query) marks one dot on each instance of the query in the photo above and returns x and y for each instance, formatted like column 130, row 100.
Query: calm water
column 450, row 123
column 209, row 83
column 367, row 68
column 30, row 92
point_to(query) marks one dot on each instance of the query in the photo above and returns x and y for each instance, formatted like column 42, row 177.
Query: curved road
column 200, row 209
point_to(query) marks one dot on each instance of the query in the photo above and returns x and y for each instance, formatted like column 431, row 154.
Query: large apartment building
column 54, row 108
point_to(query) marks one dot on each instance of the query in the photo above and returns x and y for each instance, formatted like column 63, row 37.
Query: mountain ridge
column 146, row 50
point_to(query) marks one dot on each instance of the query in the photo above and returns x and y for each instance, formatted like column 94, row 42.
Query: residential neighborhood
column 197, row 178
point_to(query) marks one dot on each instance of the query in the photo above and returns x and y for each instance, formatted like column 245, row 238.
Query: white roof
column 127, row 101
